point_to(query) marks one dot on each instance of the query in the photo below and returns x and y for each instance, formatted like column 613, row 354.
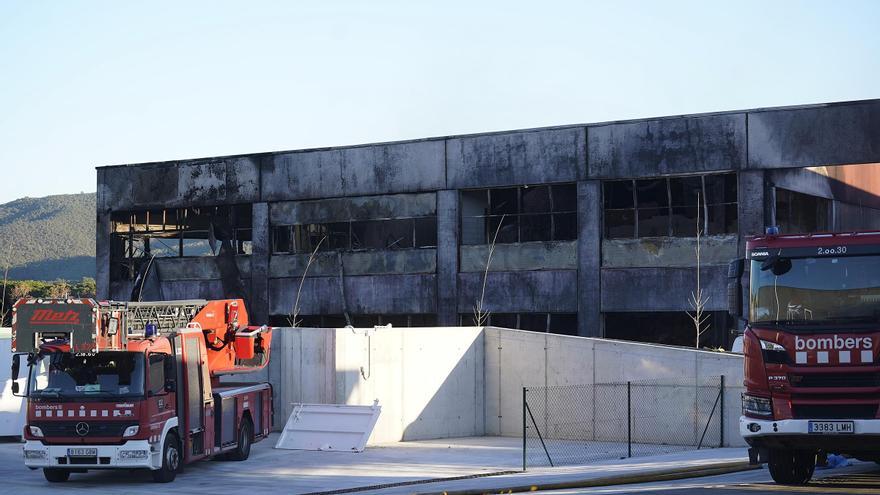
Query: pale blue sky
column 96, row 83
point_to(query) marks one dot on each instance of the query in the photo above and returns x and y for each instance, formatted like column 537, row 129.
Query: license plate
column 831, row 427
column 82, row 452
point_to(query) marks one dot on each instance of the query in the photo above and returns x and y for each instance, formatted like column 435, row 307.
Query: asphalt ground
column 860, row 478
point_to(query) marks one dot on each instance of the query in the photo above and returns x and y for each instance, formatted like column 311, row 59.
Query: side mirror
column 170, row 385
column 16, row 367
column 734, row 287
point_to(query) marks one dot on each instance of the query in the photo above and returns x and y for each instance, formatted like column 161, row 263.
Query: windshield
column 106, row 374
column 816, row 290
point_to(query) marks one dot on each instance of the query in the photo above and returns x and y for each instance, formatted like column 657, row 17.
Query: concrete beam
column 361, row 170
column 531, row 157
column 667, row 146
column 832, row 134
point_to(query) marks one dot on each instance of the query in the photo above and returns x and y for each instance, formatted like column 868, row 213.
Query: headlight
column 36, row 431
column 773, row 353
column 131, row 431
column 35, row 454
column 757, row 406
column 132, row 454
column 771, row 346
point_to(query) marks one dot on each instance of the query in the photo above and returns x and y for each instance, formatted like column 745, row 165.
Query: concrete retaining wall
column 466, row 381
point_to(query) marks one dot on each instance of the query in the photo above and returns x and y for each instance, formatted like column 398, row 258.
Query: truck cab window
column 157, row 374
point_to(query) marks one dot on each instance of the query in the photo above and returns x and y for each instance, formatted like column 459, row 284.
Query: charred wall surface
column 565, row 223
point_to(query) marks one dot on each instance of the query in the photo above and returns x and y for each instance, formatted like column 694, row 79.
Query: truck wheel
column 171, row 459
column 791, row 467
column 245, row 439
column 56, row 475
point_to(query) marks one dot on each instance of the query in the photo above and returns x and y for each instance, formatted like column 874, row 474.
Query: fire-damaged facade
column 583, row 229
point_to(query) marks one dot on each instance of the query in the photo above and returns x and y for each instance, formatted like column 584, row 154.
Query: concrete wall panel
column 533, row 157
column 561, row 255
column 358, row 263
column 667, row 146
column 377, row 294
column 197, row 268
column 635, row 289
column 509, row 292
column 668, row 251
column 819, row 135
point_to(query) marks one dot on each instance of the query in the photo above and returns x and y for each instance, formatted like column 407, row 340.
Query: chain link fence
column 580, row 424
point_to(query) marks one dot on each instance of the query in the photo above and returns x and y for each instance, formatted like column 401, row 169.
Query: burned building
column 582, row 229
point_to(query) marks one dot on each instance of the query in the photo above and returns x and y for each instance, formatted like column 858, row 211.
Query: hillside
column 48, row 238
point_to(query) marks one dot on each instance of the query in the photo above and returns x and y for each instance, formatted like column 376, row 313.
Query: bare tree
column 698, row 299
column 292, row 318
column 3, row 310
column 481, row 316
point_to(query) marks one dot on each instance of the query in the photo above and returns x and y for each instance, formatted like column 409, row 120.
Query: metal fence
column 579, row 424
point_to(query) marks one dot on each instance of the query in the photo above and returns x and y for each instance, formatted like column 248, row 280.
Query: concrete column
column 589, row 196
column 259, row 293
column 102, row 254
column 752, row 210
column 447, row 257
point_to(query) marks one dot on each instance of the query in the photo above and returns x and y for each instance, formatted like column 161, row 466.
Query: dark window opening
column 670, row 328
column 519, row 214
column 356, row 235
column 802, row 213
column 559, row 323
column 670, row 206
column 137, row 236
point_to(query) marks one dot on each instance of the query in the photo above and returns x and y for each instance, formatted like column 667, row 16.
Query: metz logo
column 842, row 347
column 49, row 317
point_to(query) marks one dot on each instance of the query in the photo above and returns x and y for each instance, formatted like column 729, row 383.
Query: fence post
column 524, row 426
column 722, row 412
column 629, row 443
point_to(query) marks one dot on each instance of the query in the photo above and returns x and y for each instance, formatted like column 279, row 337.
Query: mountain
column 48, row 238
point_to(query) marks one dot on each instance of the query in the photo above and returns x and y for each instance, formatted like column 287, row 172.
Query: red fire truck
column 812, row 380
column 137, row 385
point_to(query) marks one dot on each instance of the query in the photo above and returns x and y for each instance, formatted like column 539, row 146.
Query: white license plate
column 831, row 427
column 82, row 452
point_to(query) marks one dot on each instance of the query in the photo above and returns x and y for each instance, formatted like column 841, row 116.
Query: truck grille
column 96, row 428
column 834, row 411
column 835, row 380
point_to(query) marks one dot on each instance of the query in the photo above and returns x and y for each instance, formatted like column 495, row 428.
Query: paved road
column 861, row 478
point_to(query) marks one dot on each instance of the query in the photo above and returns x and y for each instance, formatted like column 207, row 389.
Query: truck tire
column 791, row 467
column 171, row 460
column 56, row 475
column 245, row 440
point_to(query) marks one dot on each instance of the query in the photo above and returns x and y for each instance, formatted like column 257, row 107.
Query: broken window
column 670, row 206
column 519, row 214
column 137, row 236
column 670, row 327
column 356, row 235
column 802, row 213
column 559, row 323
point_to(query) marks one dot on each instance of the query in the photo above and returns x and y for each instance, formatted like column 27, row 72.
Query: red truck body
column 811, row 373
column 137, row 385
